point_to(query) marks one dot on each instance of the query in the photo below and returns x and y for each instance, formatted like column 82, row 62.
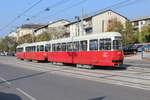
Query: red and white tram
column 102, row 49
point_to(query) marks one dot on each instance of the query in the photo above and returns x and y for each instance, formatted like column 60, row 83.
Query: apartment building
column 140, row 22
column 94, row 24
column 55, row 24
column 27, row 29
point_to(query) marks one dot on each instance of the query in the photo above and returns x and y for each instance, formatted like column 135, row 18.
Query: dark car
column 129, row 49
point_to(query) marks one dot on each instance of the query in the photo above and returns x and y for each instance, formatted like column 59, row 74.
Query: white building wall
column 58, row 24
column 100, row 22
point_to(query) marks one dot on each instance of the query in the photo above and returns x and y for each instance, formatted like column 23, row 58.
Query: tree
column 25, row 39
column 114, row 26
column 52, row 33
column 144, row 35
column 127, row 31
column 129, row 35
column 8, row 44
column 43, row 37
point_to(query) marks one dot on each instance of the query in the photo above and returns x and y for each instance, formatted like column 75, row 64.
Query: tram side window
column 75, row 46
column 32, row 49
column 47, row 47
column 107, row 44
column 83, row 45
column 117, row 44
column 41, row 48
column 63, row 46
column 53, row 47
column 101, row 44
column 69, row 46
column 38, row 48
column 58, row 47
column 19, row 49
column 27, row 49
column 93, row 45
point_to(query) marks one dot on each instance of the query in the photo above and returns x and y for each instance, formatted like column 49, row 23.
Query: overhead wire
column 21, row 14
column 63, row 10
column 49, row 8
column 114, row 6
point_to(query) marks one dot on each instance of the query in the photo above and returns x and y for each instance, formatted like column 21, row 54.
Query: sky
column 14, row 13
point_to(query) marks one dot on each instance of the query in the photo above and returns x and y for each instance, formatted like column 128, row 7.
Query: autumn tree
column 43, row 37
column 115, row 26
column 52, row 33
column 144, row 35
column 127, row 31
column 25, row 39
column 8, row 44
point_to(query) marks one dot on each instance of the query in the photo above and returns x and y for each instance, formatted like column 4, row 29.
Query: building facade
column 140, row 22
column 95, row 24
column 56, row 24
column 27, row 29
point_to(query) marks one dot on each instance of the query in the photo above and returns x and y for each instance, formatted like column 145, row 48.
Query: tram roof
column 32, row 44
column 88, row 37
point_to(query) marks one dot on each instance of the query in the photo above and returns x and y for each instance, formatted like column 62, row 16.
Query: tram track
column 99, row 72
column 85, row 70
column 95, row 75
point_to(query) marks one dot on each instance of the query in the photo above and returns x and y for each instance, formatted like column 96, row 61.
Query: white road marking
column 5, row 81
column 24, row 93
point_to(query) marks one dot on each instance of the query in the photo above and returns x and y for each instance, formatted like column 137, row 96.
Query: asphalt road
column 24, row 84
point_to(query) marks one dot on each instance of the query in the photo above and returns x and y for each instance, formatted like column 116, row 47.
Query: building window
column 88, row 30
column 136, row 23
column 103, row 25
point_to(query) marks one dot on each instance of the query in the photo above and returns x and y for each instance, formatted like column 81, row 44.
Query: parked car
column 147, row 48
column 129, row 49
column 140, row 48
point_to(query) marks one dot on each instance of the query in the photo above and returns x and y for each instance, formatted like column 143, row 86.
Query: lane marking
column 5, row 81
column 26, row 94
column 21, row 91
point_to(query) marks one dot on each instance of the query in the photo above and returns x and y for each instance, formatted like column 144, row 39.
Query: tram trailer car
column 32, row 51
column 101, row 49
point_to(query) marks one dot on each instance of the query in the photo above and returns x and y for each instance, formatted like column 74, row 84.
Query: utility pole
column 33, row 36
column 82, row 26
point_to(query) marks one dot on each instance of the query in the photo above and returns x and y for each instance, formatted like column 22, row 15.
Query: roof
column 59, row 21
column 96, row 15
column 32, row 26
column 51, row 23
column 140, row 18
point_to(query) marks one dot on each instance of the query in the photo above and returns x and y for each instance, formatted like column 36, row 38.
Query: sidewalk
column 136, row 60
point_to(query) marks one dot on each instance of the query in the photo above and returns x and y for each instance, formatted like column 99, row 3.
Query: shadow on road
column 109, row 68
column 5, row 96
column 23, row 77
column 99, row 98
